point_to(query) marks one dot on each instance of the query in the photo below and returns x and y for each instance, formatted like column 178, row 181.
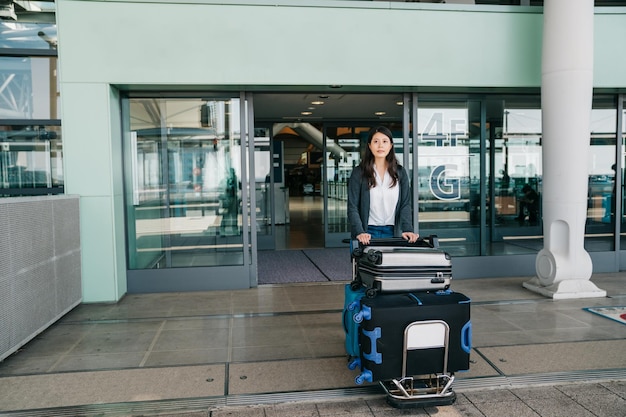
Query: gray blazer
column 359, row 204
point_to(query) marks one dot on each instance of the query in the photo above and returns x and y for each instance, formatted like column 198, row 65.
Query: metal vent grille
column 40, row 279
column 30, row 234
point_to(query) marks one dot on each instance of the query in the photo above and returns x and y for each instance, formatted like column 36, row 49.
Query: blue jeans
column 380, row 231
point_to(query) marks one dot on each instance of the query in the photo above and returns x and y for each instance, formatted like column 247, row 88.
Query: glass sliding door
column 265, row 174
column 448, row 154
column 599, row 229
column 343, row 150
column 515, row 153
column 186, row 206
column 621, row 189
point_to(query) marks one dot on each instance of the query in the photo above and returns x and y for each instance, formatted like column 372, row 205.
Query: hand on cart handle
column 364, row 238
column 410, row 236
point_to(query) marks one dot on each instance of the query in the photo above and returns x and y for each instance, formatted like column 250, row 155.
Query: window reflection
column 31, row 160
column 448, row 175
column 264, row 172
column 622, row 210
column 25, row 35
column 29, row 88
column 515, row 127
column 184, row 183
column 601, row 185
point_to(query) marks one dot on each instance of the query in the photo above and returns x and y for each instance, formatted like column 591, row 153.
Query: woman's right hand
column 364, row 238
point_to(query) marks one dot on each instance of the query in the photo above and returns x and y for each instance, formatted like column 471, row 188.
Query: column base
column 566, row 289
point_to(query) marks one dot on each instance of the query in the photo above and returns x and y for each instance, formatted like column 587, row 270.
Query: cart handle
column 431, row 241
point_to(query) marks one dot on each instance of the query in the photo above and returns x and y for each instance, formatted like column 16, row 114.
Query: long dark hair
column 367, row 164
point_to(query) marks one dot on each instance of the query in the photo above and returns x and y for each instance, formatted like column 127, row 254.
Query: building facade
column 186, row 128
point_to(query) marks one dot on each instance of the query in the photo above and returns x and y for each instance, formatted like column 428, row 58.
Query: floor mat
column 286, row 266
column 334, row 263
column 617, row 313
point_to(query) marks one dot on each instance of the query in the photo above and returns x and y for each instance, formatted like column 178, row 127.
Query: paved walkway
column 607, row 399
column 278, row 350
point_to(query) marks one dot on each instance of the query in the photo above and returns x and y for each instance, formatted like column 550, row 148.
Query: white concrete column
column 563, row 266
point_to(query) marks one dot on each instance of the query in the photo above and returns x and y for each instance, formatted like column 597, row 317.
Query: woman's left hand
column 410, row 236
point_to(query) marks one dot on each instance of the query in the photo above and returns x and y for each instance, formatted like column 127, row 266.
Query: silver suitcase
column 394, row 265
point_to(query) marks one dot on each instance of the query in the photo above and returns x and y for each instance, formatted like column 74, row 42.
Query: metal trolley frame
column 422, row 391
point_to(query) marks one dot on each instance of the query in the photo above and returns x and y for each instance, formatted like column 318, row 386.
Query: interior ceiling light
column 317, row 103
column 380, row 113
column 311, row 108
column 399, row 103
column 306, row 113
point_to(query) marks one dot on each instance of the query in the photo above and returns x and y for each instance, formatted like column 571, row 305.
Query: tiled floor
column 283, row 342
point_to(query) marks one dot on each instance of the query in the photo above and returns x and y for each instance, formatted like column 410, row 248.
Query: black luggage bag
column 385, row 319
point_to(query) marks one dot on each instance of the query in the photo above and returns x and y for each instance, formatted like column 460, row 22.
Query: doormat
column 617, row 313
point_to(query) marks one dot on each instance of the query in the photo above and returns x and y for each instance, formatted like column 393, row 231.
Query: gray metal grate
column 40, row 279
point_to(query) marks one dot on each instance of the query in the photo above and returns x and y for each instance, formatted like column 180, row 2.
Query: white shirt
column 383, row 201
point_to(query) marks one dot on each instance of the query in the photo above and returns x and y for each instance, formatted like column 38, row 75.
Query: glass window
column 183, row 182
column 516, row 155
column 31, row 160
column 267, row 167
column 30, row 88
column 25, row 35
column 599, row 229
column 623, row 174
column 449, row 174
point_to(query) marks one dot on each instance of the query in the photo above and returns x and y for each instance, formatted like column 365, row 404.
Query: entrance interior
column 317, row 136
column 303, row 225
column 306, row 227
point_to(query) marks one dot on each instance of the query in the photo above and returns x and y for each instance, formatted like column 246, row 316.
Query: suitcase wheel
column 371, row 292
column 418, row 402
column 354, row 363
column 357, row 253
column 365, row 376
column 355, row 285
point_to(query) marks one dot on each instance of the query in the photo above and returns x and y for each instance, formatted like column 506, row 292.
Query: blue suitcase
column 351, row 307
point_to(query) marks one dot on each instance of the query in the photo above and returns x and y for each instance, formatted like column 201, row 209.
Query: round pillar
column 563, row 266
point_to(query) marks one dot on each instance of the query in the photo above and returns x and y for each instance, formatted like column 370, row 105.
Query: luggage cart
column 426, row 391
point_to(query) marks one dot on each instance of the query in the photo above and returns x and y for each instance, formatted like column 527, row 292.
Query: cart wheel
column 418, row 402
column 354, row 363
column 358, row 317
column 371, row 292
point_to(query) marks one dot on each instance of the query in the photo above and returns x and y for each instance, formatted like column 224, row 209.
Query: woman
column 379, row 200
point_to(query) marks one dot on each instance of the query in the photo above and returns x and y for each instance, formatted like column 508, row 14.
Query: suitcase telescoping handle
column 428, row 242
